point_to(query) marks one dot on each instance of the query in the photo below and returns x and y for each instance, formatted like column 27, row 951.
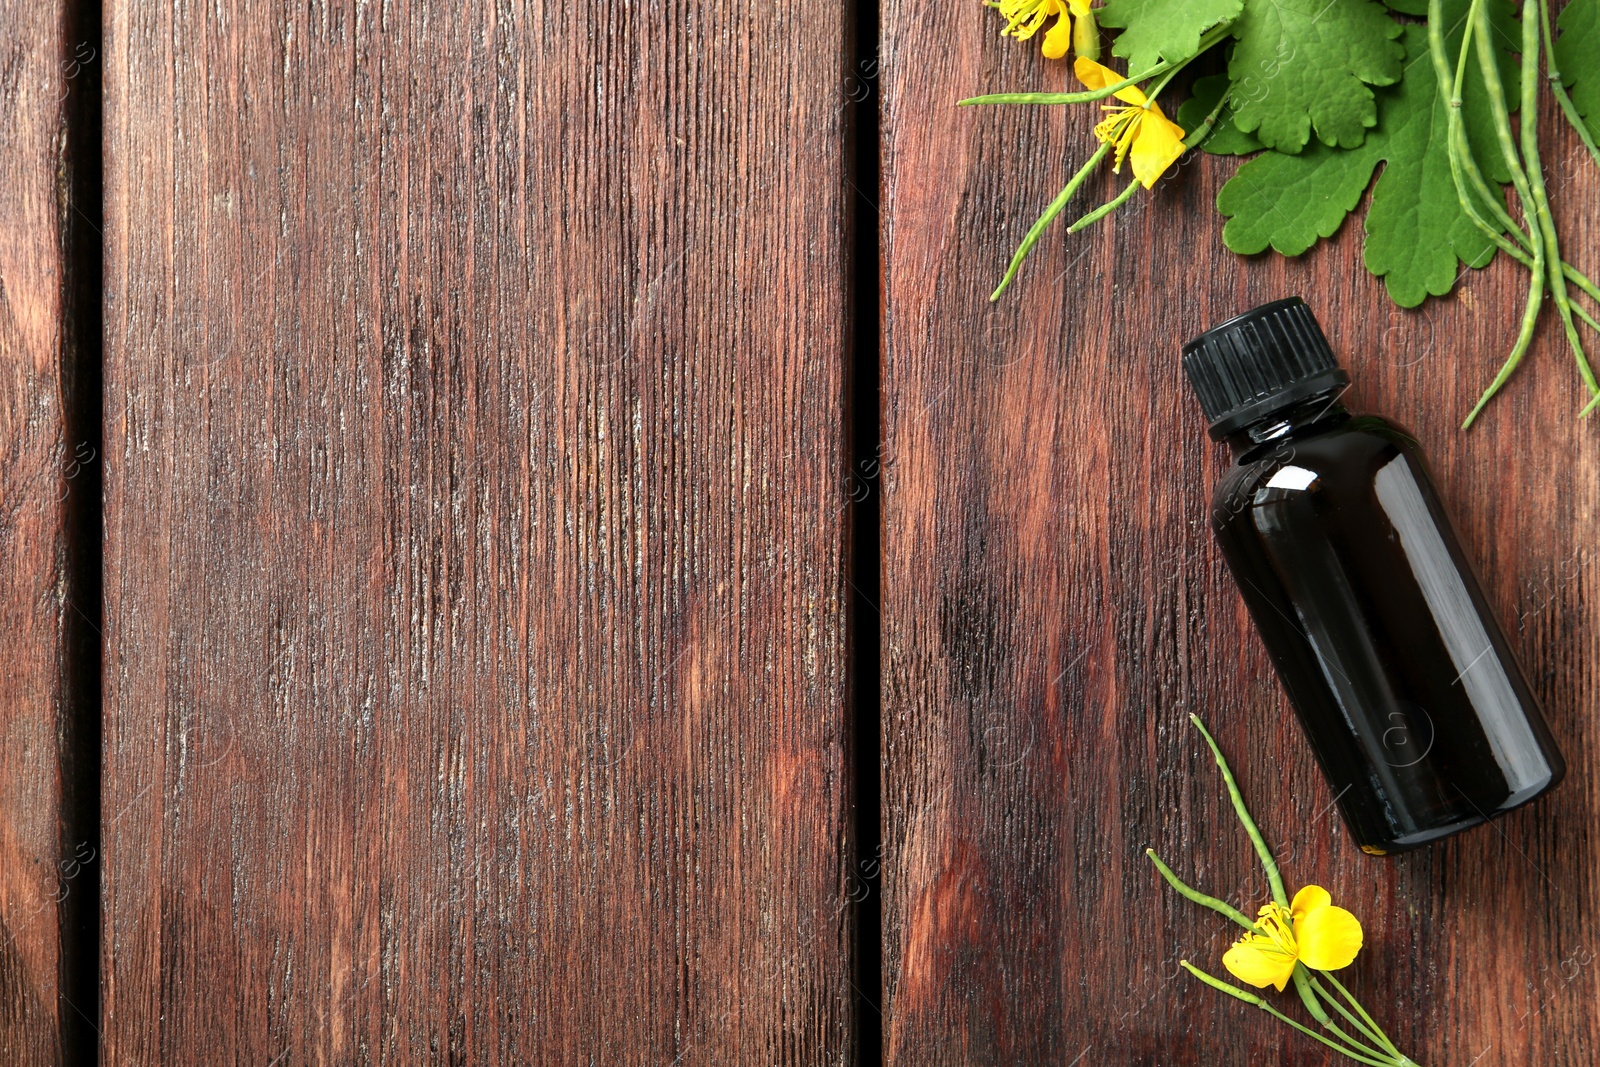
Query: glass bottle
column 1402, row 680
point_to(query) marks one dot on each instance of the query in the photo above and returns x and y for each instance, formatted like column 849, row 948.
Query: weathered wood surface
column 1054, row 608
column 474, row 684
column 38, row 867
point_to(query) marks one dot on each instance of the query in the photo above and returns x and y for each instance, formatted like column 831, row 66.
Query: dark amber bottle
column 1400, row 676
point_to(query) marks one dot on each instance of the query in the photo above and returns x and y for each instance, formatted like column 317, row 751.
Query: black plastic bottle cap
column 1260, row 362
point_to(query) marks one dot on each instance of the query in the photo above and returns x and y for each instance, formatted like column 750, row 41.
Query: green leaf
column 1301, row 65
column 1417, row 237
column 1226, row 139
column 1156, row 30
column 1578, row 59
column 1291, row 202
column 1418, row 8
column 1417, row 234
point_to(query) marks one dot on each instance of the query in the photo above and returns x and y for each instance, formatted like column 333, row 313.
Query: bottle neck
column 1312, row 415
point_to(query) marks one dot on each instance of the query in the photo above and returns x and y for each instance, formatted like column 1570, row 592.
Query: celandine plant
column 1323, row 93
column 1302, row 941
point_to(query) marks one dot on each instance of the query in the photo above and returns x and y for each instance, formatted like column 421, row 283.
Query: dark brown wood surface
column 475, row 666
column 40, row 863
column 1054, row 608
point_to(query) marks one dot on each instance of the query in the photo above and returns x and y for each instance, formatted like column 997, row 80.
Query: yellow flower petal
column 1329, row 938
column 1079, row 7
column 1058, row 39
column 1158, row 145
column 1256, row 961
column 1309, row 897
column 1025, row 17
column 1095, row 76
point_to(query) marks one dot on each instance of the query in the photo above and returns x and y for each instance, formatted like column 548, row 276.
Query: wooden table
column 555, row 559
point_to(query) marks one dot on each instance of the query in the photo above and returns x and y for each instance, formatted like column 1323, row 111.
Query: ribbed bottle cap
column 1258, row 363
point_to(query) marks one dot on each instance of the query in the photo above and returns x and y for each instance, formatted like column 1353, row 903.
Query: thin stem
column 1105, row 209
column 1577, row 309
column 1558, row 90
column 1302, row 989
column 1267, row 862
column 1455, row 137
column 1056, row 207
column 1580, row 280
column 1303, row 986
column 1356, row 1004
column 1262, row 852
column 1084, row 97
column 1490, row 196
column 1371, row 1034
column 1530, row 316
column 1171, row 70
column 1196, row 136
column 1495, row 91
column 1541, row 200
column 1251, row 998
column 1221, row 907
column 1490, row 69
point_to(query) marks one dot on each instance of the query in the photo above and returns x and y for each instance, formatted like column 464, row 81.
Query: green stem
column 1262, row 852
column 1376, row 1030
column 1530, row 316
column 1489, row 67
column 1490, row 196
column 1541, row 200
column 1221, row 907
column 1084, row 97
column 1056, row 207
column 1194, row 137
column 1455, row 138
column 1217, row 33
column 1370, row 1033
column 1251, row 998
column 1105, row 209
column 1568, row 110
column 1302, row 989
column 1197, row 136
column 1267, row 862
column 1577, row 309
column 1495, row 91
column 1581, row 281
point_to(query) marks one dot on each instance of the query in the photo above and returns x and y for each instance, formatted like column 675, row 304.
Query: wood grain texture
column 1054, row 607
column 34, row 453
column 474, row 660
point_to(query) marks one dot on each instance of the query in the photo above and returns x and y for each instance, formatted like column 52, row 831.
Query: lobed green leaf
column 1304, row 65
column 1417, row 236
column 1156, row 30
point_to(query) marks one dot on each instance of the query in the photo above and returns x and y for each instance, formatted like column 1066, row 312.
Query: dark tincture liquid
column 1352, row 571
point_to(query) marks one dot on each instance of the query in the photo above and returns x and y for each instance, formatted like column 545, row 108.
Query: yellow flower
column 1137, row 127
column 1025, row 17
column 1311, row 930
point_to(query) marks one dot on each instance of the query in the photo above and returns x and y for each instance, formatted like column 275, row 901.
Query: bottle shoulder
column 1343, row 459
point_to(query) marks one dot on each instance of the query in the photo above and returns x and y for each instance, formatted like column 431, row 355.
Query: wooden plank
column 1054, row 607
column 475, row 668
column 42, row 860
